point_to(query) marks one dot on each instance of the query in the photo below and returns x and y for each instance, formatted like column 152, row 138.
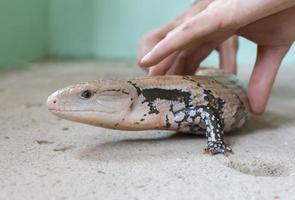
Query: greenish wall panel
column 73, row 28
column 106, row 28
column 23, row 30
column 30, row 29
column 122, row 23
column 112, row 28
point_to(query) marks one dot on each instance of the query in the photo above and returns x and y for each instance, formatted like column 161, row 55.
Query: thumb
column 267, row 64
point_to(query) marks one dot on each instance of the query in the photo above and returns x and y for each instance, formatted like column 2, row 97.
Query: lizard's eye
column 87, row 94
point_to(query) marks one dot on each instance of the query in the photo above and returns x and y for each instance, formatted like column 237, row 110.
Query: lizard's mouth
column 60, row 111
column 73, row 115
column 66, row 113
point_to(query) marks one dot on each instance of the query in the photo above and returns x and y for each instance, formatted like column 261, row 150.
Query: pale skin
column 181, row 45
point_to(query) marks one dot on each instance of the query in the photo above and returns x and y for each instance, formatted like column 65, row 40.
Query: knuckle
column 183, row 55
column 187, row 26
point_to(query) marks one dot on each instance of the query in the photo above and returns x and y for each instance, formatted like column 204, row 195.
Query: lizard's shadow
column 176, row 144
column 125, row 150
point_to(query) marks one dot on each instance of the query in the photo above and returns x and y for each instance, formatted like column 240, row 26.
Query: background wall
column 112, row 28
column 23, row 30
column 108, row 29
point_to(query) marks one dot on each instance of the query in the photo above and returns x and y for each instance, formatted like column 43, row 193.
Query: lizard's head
column 97, row 103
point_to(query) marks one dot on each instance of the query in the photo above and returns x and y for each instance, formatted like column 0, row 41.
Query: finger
column 178, row 65
column 193, row 61
column 189, row 60
column 228, row 55
column 163, row 66
column 200, row 26
column 151, row 39
column 267, row 64
column 190, row 12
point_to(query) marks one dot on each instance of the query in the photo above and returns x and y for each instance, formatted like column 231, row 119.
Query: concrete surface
column 42, row 157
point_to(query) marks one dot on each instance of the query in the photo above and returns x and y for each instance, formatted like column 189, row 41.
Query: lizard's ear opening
column 113, row 101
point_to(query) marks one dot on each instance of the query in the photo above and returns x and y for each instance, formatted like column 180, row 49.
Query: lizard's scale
column 212, row 104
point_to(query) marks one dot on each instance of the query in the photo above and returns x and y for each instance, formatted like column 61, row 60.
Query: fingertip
column 160, row 51
column 257, row 103
column 257, row 109
column 145, row 61
column 149, row 60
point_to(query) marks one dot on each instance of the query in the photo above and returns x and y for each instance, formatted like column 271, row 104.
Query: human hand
column 218, row 21
column 181, row 62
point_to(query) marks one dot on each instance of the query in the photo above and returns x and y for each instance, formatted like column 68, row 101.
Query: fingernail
column 146, row 58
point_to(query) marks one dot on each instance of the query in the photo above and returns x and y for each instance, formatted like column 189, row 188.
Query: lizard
column 210, row 102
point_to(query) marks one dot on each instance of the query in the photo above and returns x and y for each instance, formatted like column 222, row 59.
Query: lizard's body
column 211, row 104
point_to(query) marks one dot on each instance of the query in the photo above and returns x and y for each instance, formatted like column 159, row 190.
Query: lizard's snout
column 52, row 103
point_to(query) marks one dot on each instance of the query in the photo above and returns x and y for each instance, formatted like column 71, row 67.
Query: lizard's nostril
column 52, row 102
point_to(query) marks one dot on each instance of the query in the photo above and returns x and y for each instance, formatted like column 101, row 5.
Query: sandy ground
column 43, row 157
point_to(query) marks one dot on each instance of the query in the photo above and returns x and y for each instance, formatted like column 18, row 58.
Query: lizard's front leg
column 212, row 122
column 214, row 131
column 199, row 117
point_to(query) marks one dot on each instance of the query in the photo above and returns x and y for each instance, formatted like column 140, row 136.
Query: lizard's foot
column 217, row 147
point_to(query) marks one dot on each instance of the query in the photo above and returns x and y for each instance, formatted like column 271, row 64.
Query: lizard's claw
column 217, row 147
